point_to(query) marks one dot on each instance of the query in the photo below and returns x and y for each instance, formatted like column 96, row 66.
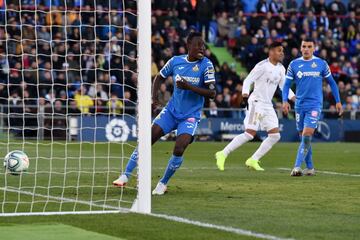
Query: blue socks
column 132, row 163
column 308, row 159
column 303, row 150
column 174, row 163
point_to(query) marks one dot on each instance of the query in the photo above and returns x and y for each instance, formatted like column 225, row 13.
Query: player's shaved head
column 307, row 48
column 195, row 46
column 193, row 35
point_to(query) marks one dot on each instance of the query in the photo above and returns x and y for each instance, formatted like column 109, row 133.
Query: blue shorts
column 168, row 123
column 307, row 118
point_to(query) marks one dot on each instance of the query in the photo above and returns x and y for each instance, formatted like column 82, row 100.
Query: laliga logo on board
column 117, row 130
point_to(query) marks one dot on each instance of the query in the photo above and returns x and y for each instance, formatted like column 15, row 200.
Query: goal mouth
column 70, row 102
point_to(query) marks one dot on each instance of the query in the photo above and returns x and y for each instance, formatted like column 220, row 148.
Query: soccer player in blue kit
column 194, row 79
column 308, row 72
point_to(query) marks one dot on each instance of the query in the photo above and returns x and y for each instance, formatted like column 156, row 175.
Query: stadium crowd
column 334, row 26
column 86, row 59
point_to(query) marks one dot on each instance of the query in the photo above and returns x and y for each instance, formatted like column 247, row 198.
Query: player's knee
column 307, row 140
column 175, row 163
column 179, row 150
column 275, row 137
column 248, row 136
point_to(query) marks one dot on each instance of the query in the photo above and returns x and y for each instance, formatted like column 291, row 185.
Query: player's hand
column 286, row 108
column 182, row 84
column 245, row 102
column 155, row 106
column 339, row 108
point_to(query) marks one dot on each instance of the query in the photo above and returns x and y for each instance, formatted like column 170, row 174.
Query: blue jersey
column 308, row 76
column 185, row 103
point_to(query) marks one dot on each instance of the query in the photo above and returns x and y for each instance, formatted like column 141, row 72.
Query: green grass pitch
column 325, row 206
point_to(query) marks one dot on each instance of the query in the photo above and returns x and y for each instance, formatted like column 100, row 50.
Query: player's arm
column 291, row 94
column 155, row 90
column 254, row 74
column 166, row 71
column 334, row 88
column 209, row 81
column 286, row 89
column 209, row 92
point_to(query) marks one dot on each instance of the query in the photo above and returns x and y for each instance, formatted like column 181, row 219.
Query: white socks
column 266, row 145
column 237, row 142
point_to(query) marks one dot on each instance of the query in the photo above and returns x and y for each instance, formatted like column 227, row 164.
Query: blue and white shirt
column 185, row 103
column 308, row 76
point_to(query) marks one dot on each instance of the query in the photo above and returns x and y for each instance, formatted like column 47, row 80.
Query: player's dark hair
column 193, row 35
column 309, row 39
column 275, row 45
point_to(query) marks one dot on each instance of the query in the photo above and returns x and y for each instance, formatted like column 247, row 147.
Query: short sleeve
column 326, row 71
column 209, row 73
column 290, row 72
column 167, row 69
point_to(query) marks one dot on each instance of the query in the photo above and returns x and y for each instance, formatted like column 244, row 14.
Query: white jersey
column 266, row 78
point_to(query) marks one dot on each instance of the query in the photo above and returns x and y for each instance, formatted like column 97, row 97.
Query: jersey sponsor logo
column 313, row 65
column 177, row 77
column 194, row 80
column 300, row 74
column 273, row 81
column 195, row 68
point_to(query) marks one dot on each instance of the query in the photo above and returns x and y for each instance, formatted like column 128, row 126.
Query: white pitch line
column 238, row 231
column 327, row 172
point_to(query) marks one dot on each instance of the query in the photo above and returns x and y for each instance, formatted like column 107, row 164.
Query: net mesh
column 68, row 96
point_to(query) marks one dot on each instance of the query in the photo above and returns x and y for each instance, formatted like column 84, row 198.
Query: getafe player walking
column 194, row 79
column 308, row 72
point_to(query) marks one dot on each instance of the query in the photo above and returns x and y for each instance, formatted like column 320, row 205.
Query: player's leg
column 163, row 124
column 251, row 123
column 271, row 123
column 299, row 117
column 311, row 119
column 239, row 140
column 185, row 134
column 156, row 134
column 309, row 170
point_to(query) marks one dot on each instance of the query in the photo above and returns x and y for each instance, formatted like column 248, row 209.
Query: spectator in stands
column 129, row 106
column 97, row 91
column 336, row 7
column 356, row 99
column 164, row 95
column 83, row 101
column 115, row 105
column 73, row 110
column 213, row 111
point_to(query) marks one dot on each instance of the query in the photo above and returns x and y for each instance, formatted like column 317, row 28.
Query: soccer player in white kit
column 266, row 76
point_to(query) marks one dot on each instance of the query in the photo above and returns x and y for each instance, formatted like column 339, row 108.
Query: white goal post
column 144, row 107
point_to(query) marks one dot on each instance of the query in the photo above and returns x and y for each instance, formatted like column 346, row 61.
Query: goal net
column 71, row 73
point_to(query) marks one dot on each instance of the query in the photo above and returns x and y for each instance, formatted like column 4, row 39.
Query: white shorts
column 260, row 117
